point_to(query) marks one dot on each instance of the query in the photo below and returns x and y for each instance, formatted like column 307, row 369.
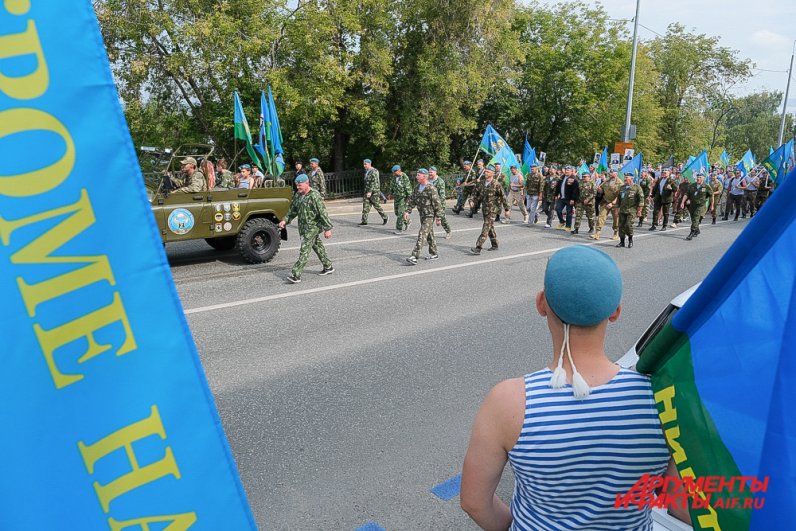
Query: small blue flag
column 634, row 165
column 698, row 164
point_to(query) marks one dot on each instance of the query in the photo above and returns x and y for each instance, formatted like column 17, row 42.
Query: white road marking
column 420, row 271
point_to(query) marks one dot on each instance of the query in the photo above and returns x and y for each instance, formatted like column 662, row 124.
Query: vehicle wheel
column 258, row 241
column 222, row 244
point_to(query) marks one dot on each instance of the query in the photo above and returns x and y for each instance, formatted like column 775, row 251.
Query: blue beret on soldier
column 491, row 167
column 367, row 161
column 432, row 168
column 396, row 168
column 244, row 167
column 316, row 161
column 423, row 171
column 301, row 178
column 467, row 163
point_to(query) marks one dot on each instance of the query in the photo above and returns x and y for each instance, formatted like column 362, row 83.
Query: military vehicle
column 224, row 218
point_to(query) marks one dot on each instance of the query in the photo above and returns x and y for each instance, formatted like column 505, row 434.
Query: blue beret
column 301, row 178
column 700, row 173
column 432, row 168
column 316, row 161
column 366, row 161
column 630, row 173
column 513, row 165
column 244, row 167
column 480, row 160
column 467, row 162
column 490, row 167
column 423, row 171
column 396, row 168
column 582, row 285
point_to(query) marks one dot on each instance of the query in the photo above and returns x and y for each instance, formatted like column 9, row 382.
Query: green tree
column 753, row 124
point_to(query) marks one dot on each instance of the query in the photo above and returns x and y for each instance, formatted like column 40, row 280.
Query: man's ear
column 541, row 303
column 614, row 316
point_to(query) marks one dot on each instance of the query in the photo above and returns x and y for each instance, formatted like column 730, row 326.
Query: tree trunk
column 340, row 140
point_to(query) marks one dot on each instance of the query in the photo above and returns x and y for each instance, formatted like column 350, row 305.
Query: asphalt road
column 348, row 397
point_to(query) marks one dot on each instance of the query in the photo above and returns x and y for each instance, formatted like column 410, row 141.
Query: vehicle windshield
column 661, row 321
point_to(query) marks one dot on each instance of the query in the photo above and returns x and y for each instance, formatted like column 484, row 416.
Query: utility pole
column 785, row 101
column 632, row 75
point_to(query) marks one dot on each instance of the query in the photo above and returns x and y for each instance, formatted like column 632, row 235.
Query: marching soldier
column 439, row 184
column 749, row 187
column 548, row 195
column 662, row 191
column 680, row 197
column 698, row 195
column 426, row 198
column 764, row 190
column 372, row 191
column 646, row 184
column 492, row 197
column 473, row 184
column 585, row 203
column 401, row 190
column 533, row 188
column 313, row 219
column 464, row 192
column 317, row 179
column 630, row 198
column 718, row 190
column 517, row 192
column 610, row 205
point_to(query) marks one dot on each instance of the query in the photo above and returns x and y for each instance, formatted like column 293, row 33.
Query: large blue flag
column 529, row 159
column 108, row 422
column 724, row 378
column 724, row 158
column 699, row 164
column 276, row 136
column 494, row 145
column 602, row 165
column 746, row 163
column 634, row 166
column 778, row 162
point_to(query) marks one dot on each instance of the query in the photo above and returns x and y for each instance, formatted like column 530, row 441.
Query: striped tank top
column 574, row 456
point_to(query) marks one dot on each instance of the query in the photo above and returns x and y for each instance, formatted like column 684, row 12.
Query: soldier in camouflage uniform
column 585, row 203
column 225, row 177
column 194, row 179
column 548, row 196
column 462, row 192
column 317, row 180
column 308, row 207
column 492, row 197
column 646, row 186
column 372, row 191
column 609, row 205
column 401, row 189
column 697, row 196
column 630, row 199
column 764, row 190
column 471, row 184
column 426, row 198
column 533, row 188
column 439, row 184
column 718, row 189
column 680, row 198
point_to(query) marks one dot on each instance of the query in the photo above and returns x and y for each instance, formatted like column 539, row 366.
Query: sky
column 761, row 30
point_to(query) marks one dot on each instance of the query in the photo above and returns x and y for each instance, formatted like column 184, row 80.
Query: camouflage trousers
column 749, row 202
column 603, row 217
column 310, row 240
column 696, row 218
column 444, row 219
column 626, row 224
column 584, row 208
column 426, row 235
column 400, row 208
column 679, row 215
column 517, row 197
column 645, row 208
column 488, row 230
column 367, row 202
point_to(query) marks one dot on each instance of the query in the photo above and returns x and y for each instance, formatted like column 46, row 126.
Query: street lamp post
column 632, row 75
column 785, row 101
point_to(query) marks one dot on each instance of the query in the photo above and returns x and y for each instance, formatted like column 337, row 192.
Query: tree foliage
column 415, row 81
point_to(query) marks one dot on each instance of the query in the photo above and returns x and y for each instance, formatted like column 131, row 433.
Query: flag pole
column 785, row 100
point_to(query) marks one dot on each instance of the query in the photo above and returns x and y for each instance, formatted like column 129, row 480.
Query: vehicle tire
column 222, row 244
column 258, row 241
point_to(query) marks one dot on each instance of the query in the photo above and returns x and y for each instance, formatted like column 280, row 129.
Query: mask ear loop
column 580, row 388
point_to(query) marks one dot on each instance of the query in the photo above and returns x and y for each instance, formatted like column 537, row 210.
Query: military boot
column 714, row 221
column 690, row 236
column 640, row 222
column 591, row 228
column 629, row 242
column 574, row 231
column 621, row 242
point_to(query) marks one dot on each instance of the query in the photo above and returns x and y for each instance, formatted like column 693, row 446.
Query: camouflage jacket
column 551, row 186
column 717, row 187
column 401, row 186
column 698, row 196
column 587, row 192
column 646, row 186
column 439, row 184
column 226, row 179
column 195, row 183
column 426, row 201
column 318, row 181
column 372, row 183
column 611, row 191
column 310, row 211
column 534, row 183
column 492, row 197
column 630, row 198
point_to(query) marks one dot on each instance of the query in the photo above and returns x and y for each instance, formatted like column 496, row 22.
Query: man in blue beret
column 427, row 201
column 557, row 424
column 313, row 220
column 372, row 191
column 492, row 197
column 630, row 199
column 439, row 183
column 317, row 179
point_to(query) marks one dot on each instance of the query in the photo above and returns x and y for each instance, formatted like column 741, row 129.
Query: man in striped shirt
column 578, row 432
